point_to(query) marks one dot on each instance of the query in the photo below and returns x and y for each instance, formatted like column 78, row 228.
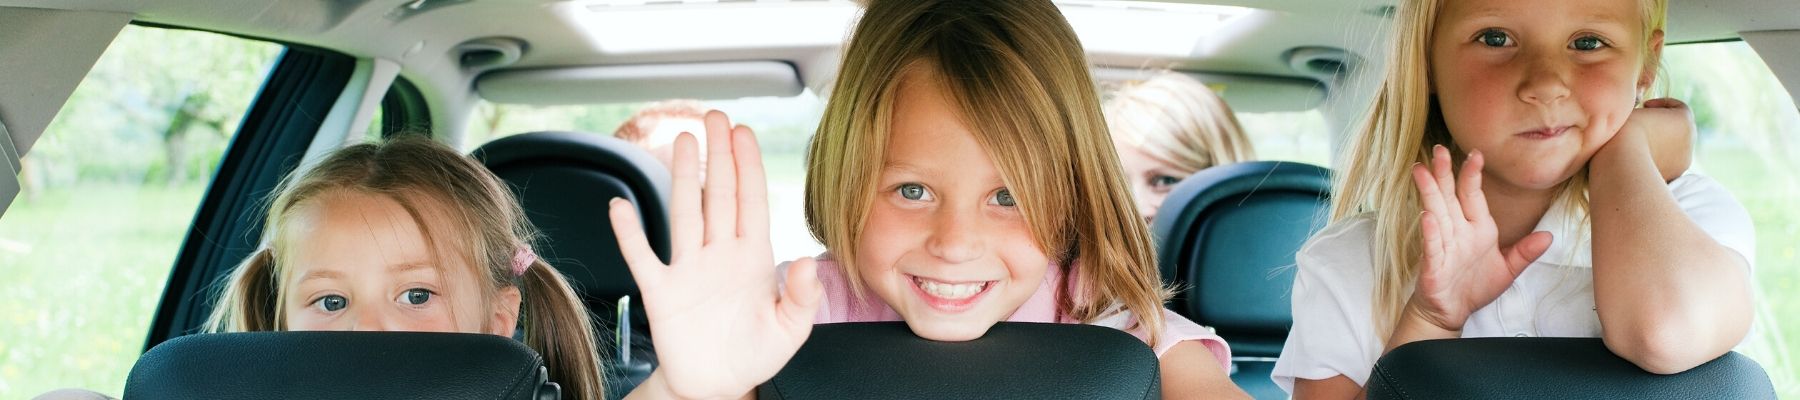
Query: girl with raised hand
column 1569, row 215
column 962, row 175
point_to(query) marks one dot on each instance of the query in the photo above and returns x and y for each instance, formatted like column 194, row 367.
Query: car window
column 1288, row 136
column 107, row 195
column 1748, row 139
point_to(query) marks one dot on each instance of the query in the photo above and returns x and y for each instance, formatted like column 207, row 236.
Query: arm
column 1334, row 388
column 1189, row 371
column 1669, row 296
column 1672, row 143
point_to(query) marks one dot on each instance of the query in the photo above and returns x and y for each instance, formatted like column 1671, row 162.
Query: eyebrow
column 321, row 274
column 409, row 266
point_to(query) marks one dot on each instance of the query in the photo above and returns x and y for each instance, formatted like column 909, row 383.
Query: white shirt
column 1334, row 331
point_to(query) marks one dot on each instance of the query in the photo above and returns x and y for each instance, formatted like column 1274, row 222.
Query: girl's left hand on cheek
column 1666, row 127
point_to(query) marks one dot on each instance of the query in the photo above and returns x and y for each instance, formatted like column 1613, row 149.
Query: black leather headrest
column 1227, row 235
column 564, row 181
column 1551, row 368
column 885, row 360
column 339, row 365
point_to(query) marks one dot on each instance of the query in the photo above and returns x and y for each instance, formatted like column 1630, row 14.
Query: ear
column 506, row 312
column 1652, row 61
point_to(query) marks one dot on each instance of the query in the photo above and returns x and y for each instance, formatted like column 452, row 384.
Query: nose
column 956, row 235
column 1545, row 82
column 1147, row 202
column 368, row 320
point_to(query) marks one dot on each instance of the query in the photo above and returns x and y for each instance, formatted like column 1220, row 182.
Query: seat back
column 1551, row 368
column 340, row 365
column 1014, row 360
column 1226, row 236
column 564, row 181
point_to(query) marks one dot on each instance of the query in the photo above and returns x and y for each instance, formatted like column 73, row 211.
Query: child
column 1561, row 221
column 961, row 172
column 408, row 236
column 1168, row 127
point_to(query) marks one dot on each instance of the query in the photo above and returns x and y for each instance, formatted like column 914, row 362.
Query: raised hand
column 1463, row 267
column 722, row 325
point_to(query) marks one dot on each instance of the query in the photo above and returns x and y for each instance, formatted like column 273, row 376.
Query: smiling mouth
column 949, row 296
column 1545, row 133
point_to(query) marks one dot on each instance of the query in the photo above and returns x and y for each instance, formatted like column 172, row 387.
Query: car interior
column 353, row 70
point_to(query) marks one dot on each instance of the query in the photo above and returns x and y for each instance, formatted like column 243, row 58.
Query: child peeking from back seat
column 408, row 235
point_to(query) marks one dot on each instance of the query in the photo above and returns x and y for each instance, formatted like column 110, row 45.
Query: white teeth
column 950, row 291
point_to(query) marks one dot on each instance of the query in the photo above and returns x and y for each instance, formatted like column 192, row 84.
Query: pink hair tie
column 522, row 259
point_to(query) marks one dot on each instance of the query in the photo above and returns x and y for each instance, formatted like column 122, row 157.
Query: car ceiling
column 422, row 35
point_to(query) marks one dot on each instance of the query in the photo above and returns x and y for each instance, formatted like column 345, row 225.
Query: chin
column 948, row 331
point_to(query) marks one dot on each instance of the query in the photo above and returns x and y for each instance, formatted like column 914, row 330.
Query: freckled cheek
column 889, row 233
column 1607, row 106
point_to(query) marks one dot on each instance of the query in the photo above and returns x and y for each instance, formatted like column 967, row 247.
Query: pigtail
column 248, row 302
column 557, row 325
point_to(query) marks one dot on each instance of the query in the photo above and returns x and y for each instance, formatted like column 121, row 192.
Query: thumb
column 799, row 302
column 1526, row 250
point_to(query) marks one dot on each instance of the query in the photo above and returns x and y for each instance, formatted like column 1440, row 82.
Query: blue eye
column 1004, row 198
column 1494, row 38
column 912, row 191
column 416, row 296
column 331, row 303
column 1587, row 43
column 1163, row 181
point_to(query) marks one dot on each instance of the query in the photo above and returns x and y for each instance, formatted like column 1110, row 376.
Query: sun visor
column 636, row 83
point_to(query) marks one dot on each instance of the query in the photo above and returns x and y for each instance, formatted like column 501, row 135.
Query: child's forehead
column 370, row 231
column 1592, row 11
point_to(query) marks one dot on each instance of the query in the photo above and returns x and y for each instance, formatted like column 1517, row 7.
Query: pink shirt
column 840, row 306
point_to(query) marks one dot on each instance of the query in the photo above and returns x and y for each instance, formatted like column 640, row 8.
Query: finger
column 1526, row 251
column 1430, row 198
column 1433, row 239
column 799, row 302
column 1474, row 201
column 687, row 224
column 721, row 179
column 1441, row 168
column 646, row 269
column 753, row 187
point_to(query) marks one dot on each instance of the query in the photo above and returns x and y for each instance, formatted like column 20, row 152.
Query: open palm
column 1463, row 267
column 721, row 323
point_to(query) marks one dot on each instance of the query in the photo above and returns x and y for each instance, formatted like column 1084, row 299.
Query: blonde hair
column 1017, row 75
column 485, row 226
column 1177, row 120
column 1403, row 123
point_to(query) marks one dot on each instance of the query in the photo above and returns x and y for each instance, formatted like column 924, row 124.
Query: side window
column 108, row 193
column 1749, row 140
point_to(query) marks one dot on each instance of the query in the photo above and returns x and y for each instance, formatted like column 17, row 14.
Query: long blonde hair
column 483, row 225
column 1403, row 123
column 1178, row 120
column 1017, row 75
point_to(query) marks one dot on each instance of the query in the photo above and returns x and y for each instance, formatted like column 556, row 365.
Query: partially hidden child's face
column 1538, row 86
column 944, row 243
column 1151, row 178
column 359, row 262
